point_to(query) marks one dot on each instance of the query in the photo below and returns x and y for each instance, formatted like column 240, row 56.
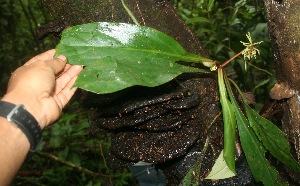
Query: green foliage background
column 18, row 20
column 220, row 26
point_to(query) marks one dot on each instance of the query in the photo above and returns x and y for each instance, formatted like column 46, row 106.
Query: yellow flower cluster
column 250, row 51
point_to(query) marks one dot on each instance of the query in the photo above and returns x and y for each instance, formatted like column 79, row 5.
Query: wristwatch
column 18, row 115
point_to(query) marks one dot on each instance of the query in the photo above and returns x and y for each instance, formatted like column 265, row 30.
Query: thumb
column 58, row 64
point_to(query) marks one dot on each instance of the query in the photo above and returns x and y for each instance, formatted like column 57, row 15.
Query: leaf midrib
column 159, row 52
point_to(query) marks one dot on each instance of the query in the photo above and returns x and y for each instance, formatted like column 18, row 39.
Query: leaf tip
column 220, row 170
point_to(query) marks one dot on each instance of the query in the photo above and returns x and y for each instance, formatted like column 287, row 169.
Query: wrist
column 29, row 103
column 14, row 147
column 20, row 117
column 10, row 133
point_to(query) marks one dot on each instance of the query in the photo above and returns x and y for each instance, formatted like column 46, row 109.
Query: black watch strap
column 24, row 120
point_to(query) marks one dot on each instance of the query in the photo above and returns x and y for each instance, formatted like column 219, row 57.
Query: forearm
column 14, row 147
column 14, row 143
column 43, row 85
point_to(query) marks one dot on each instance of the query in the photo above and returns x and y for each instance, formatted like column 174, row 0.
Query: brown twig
column 102, row 154
column 70, row 164
column 231, row 59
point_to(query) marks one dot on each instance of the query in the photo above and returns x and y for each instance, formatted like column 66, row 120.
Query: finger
column 61, row 57
column 56, row 109
column 74, row 70
column 64, row 70
column 57, row 65
column 48, row 55
column 64, row 96
column 66, row 77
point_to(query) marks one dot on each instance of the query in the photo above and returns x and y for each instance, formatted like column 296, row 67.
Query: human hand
column 44, row 86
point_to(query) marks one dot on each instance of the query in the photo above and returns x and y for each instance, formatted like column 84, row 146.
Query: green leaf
column 229, row 123
column 191, row 179
column 197, row 20
column 254, row 151
column 210, row 5
column 74, row 158
column 220, row 170
column 273, row 139
column 261, row 83
column 193, row 176
column 119, row 55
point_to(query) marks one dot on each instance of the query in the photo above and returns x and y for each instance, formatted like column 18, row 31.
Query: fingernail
column 61, row 57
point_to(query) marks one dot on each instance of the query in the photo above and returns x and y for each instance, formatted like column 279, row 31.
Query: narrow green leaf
column 273, row 139
column 220, row 170
column 261, row 169
column 261, row 83
column 119, row 55
column 229, row 123
column 210, row 5
column 254, row 151
column 197, row 20
column 190, row 178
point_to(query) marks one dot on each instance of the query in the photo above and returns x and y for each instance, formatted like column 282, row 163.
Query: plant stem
column 130, row 13
column 102, row 154
column 263, row 70
column 70, row 164
column 231, row 59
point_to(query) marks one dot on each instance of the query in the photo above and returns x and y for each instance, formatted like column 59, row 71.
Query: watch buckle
column 13, row 112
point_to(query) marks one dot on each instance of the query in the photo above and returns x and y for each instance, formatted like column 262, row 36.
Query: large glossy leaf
column 229, row 123
column 273, row 139
column 119, row 55
column 254, row 151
